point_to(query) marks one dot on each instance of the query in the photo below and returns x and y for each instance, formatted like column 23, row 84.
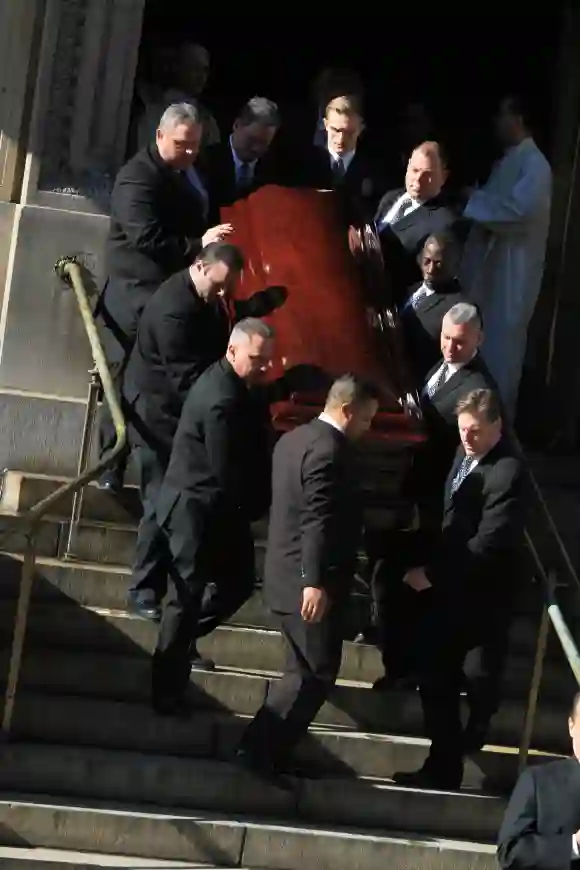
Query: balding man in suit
column 406, row 216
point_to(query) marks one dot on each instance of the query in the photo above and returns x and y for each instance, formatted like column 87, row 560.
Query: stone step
column 61, row 859
column 92, row 585
column 215, row 786
column 21, row 491
column 249, row 649
column 100, row 580
column 215, row 840
column 103, row 543
column 353, row 706
column 75, row 721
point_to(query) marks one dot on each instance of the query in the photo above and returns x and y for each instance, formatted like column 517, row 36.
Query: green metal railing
column 551, row 616
column 73, row 273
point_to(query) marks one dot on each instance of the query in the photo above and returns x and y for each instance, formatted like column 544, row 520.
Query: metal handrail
column 69, row 270
column 551, row 615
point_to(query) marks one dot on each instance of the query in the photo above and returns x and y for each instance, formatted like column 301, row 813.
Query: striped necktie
column 462, row 472
column 438, row 382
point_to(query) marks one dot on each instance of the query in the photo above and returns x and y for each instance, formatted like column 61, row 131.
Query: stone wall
column 84, row 73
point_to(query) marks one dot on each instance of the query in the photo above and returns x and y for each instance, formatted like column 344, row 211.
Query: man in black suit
column 541, row 826
column 462, row 594
column 459, row 371
column 217, row 482
column 183, row 329
column 315, row 526
column 405, row 217
column 246, row 161
column 427, row 302
column 158, row 225
column 344, row 163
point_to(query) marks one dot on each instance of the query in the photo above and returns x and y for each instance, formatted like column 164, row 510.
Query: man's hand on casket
column 263, row 302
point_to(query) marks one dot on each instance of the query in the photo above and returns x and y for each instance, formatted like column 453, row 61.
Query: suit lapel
column 388, row 203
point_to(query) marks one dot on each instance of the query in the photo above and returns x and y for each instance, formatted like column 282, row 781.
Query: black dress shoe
column 264, row 772
column 176, row 708
column 142, row 606
column 430, row 778
column 199, row 662
column 395, row 684
column 110, row 482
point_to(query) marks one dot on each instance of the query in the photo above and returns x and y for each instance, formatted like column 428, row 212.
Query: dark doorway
column 457, row 63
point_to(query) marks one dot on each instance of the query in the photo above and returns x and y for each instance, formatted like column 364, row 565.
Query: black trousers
column 150, row 565
column 313, row 657
column 199, row 549
column 449, row 647
column 458, row 654
column 117, row 355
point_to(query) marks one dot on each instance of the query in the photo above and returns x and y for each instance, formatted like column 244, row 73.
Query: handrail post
column 22, row 608
column 95, row 387
column 532, row 703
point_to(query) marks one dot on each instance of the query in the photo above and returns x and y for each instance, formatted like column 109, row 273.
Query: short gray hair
column 179, row 113
column 465, row 312
column 247, row 328
column 349, row 389
column 259, row 110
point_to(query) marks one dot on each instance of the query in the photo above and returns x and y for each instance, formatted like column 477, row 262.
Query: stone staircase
column 93, row 778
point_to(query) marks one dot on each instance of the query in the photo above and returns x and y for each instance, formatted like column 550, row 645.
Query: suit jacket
column 220, row 458
column 156, row 227
column 482, row 534
column 315, row 519
column 439, row 411
column 402, row 241
column 422, row 326
column 220, row 172
column 359, row 188
column 542, row 815
column 179, row 336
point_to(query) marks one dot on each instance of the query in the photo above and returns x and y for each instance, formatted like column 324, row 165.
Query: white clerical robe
column 504, row 255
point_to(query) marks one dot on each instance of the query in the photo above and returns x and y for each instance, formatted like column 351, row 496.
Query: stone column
column 84, row 82
column 85, row 85
column 19, row 37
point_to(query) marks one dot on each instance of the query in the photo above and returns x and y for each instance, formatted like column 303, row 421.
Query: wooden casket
column 336, row 317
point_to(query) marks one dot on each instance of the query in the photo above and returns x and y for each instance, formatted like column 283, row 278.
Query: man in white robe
column 504, row 254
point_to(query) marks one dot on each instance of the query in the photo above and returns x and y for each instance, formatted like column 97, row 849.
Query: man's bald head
column 426, row 171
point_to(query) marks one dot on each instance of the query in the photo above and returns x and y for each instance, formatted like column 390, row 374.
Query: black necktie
column 338, row 170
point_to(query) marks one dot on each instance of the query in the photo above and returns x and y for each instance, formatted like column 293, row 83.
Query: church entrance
column 455, row 63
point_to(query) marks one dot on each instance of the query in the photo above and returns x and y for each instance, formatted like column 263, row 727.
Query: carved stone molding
column 19, row 39
column 86, row 76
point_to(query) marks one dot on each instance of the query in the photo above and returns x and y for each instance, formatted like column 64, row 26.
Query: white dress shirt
column 423, row 290
column 452, row 368
column 326, row 418
column 394, row 209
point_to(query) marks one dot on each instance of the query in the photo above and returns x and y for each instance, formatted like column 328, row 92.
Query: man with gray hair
column 245, row 162
column 157, row 228
column 216, row 484
column 459, row 371
column 313, row 536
